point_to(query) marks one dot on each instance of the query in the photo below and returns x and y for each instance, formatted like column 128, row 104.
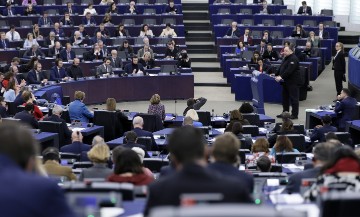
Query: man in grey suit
column 105, row 68
column 323, row 152
column 116, row 61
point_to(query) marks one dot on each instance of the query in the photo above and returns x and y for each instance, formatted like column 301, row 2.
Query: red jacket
column 37, row 113
column 136, row 179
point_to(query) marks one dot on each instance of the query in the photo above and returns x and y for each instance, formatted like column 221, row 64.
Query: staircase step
column 195, row 6
column 348, row 37
column 193, row 34
column 201, row 51
column 199, row 39
column 197, row 27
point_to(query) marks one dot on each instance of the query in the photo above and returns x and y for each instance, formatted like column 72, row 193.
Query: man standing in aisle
column 289, row 75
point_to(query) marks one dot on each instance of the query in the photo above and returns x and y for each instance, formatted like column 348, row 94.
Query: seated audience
column 147, row 61
column 261, row 48
column 146, row 31
column 282, row 145
column 104, row 33
column 70, row 9
column 258, row 149
column 128, row 168
column 246, row 38
column 193, row 103
column 141, row 153
column 88, row 20
column 184, row 60
column 285, row 117
column 45, row 20
column 265, row 9
column 171, row 8
column 36, row 76
column 93, row 54
column 30, row 41
column 51, row 39
column 11, row 91
column 287, row 127
column 194, row 116
column 112, row 9
column 227, row 160
column 12, row 34
column 75, row 71
column 58, row 72
column 146, row 48
column 240, row 48
column 51, row 159
column 36, row 32
column 56, row 117
column 236, row 116
column 55, row 50
column 105, row 69
column 233, row 31
column 304, row 9
column 188, row 153
column 299, row 32
column 342, row 169
column 116, row 61
column 3, row 108
column 237, row 130
column 121, row 31
column 34, row 51
column 286, row 44
column 130, row 141
column 255, row 57
column 99, row 155
column 270, row 54
column 127, row 48
column 318, row 134
column 66, row 20
column 246, row 108
column 323, row 152
column 28, row 97
column 263, row 164
column 266, row 36
column 26, row 116
column 188, row 121
column 77, row 146
column 345, row 108
column 107, row 20
column 134, row 67
column 314, row 40
column 168, row 31
column 90, row 9
column 138, row 124
column 322, row 33
column 57, row 30
column 20, row 173
column 155, row 107
column 8, row 11
column 262, row 67
column 78, row 110
column 132, row 9
column 67, row 54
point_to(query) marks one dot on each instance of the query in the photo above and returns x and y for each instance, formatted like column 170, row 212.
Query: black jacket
column 289, row 70
column 339, row 63
column 75, row 71
column 55, row 118
column 294, row 183
column 27, row 118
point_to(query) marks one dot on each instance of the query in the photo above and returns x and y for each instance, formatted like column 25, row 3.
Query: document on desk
column 78, row 129
column 286, row 198
column 111, row 211
column 218, row 119
column 169, row 118
column 312, row 210
column 44, row 109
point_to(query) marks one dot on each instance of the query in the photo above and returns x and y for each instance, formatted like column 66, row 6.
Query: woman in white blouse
column 11, row 91
column 146, row 31
column 90, row 9
column 168, row 31
column 30, row 41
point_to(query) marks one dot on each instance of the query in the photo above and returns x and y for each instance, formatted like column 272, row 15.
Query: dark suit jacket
column 271, row 56
column 302, row 34
column 339, row 63
column 41, row 21
column 47, row 41
column 325, row 34
column 3, row 112
column 319, row 133
column 41, row 195
column 72, row 8
column 32, row 79
column 308, row 10
column 6, row 13
column 148, row 65
column 69, row 22
column 172, row 53
column 125, row 33
column 56, row 74
column 143, row 133
column 249, row 41
column 132, row 145
column 29, row 53
column 27, row 118
column 289, row 70
column 60, row 32
column 194, row 179
column 129, row 68
column 76, row 148
column 63, row 55
column 230, row 171
column 55, row 118
column 51, row 52
column 7, row 44
column 266, row 68
column 116, row 62
column 75, row 72
column 85, row 21
column 345, row 110
column 236, row 33
column 294, row 183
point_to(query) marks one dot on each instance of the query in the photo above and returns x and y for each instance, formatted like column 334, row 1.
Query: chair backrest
column 289, row 157
column 251, row 129
column 53, row 11
column 247, row 54
column 244, row 2
column 86, row 2
column 149, row 11
column 254, row 119
column 275, row 168
column 299, row 128
column 298, row 141
column 4, row 23
column 223, row 11
column 11, row 108
column 150, row 21
column 286, row 11
column 10, row 120
column 139, row 41
column 204, row 117
column 128, row 22
column 54, row 127
column 338, row 203
column 81, row 165
column 345, row 138
column 311, row 23
column 242, row 155
column 155, row 164
column 169, row 20
column 122, row 55
column 69, row 156
column 226, row 21
column 118, row 41
column 247, row 22
column 278, row 2
column 145, row 141
column 46, row 73
column 64, row 2
column 327, row 12
column 124, row 1
column 246, row 11
column 109, row 120
column 49, row 2
column 143, row 2
column 330, row 23
column 287, row 22
column 79, row 51
column 152, row 123
column 277, row 34
column 163, row 40
column 168, row 69
column 161, row 1
column 26, row 23
column 268, row 22
column 256, row 34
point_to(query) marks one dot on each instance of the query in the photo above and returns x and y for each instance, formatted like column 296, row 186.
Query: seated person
column 56, row 117
column 262, row 67
column 29, row 10
column 138, row 124
column 130, row 141
column 75, row 71
column 3, row 108
column 116, row 61
column 28, row 97
column 82, row 31
column 270, row 54
column 240, row 47
column 132, row 9
column 90, row 9
column 286, row 44
column 112, row 9
column 26, row 116
column 233, row 31
column 168, row 31
column 299, row 32
column 146, row 48
column 36, row 76
column 246, row 108
column 194, row 116
column 184, row 60
column 128, row 168
column 58, row 31
column 55, row 50
column 104, row 32
column 70, row 9
column 50, row 40
column 146, row 31
column 193, row 103
column 45, row 20
column 11, row 91
column 134, row 67
column 263, row 164
column 99, row 155
column 107, row 20
column 34, row 51
column 258, row 149
column 283, row 144
column 314, row 40
column 261, row 48
column 58, row 72
column 67, row 54
column 287, row 127
column 304, row 9
column 105, row 68
column 147, row 61
column 307, row 50
column 76, row 40
column 171, row 8
column 322, row 33
column 98, row 37
column 265, row 9
column 171, row 51
column 255, row 58
column 12, row 34
column 246, row 38
column 237, row 130
column 236, row 116
column 66, row 20
column 266, row 36
column 222, row 2
column 345, row 108
column 78, row 110
column 88, row 20
column 127, row 48
column 121, row 31
column 77, row 146
column 51, row 159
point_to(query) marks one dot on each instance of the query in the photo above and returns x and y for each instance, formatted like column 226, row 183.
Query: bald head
column 76, row 136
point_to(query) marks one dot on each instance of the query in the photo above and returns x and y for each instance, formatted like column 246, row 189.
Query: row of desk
column 259, row 18
column 235, row 8
column 100, row 9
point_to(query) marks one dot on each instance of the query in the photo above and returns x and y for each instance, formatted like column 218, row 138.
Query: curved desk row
column 354, row 75
column 213, row 9
column 132, row 88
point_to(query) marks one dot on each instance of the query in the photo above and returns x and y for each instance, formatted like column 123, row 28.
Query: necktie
column 106, row 68
column 70, row 11
column 37, row 76
column 262, row 50
column 56, row 51
column 10, row 13
column 34, row 54
column 12, row 36
column 45, row 21
column 68, row 55
column 58, row 73
column 4, row 44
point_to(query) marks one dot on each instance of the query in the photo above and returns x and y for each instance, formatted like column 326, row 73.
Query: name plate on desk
column 78, row 129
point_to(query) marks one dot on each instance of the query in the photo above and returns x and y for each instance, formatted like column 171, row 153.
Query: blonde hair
column 140, row 152
column 79, row 95
column 110, row 104
column 99, row 153
column 155, row 99
column 192, row 114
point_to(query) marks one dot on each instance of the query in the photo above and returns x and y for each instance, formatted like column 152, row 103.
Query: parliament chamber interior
column 69, row 147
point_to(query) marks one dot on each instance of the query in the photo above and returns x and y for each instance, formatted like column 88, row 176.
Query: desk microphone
column 175, row 107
